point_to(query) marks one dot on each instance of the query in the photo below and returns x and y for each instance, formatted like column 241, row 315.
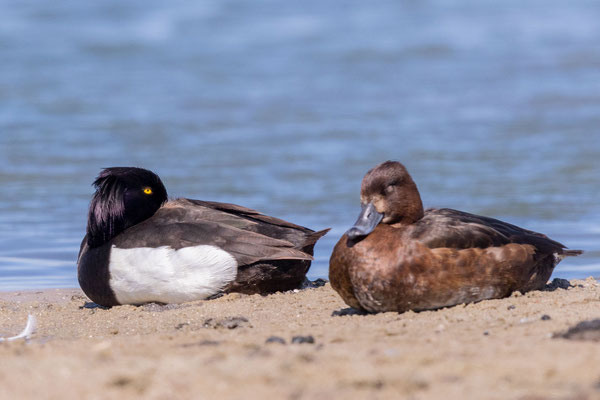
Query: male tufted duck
column 399, row 257
column 141, row 247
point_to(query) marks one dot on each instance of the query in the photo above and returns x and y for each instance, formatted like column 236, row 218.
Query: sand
column 240, row 346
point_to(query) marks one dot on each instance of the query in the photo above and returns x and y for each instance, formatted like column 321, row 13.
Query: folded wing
column 244, row 233
column 460, row 230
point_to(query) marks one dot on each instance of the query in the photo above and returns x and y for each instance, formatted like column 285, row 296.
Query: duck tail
column 311, row 239
column 572, row 253
column 566, row 253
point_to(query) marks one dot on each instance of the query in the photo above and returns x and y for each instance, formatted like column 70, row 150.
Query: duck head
column 124, row 196
column 388, row 195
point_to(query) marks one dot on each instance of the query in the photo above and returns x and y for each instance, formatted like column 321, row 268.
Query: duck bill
column 368, row 219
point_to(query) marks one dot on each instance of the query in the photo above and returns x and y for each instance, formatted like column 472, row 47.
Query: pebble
column 228, row 323
column 586, row 330
column 275, row 339
column 303, row 339
column 347, row 311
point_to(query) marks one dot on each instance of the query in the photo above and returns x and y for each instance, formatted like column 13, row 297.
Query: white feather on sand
column 26, row 333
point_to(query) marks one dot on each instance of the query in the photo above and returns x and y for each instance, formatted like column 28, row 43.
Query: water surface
column 283, row 106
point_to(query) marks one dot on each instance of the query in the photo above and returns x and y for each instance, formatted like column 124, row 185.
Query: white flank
column 166, row 275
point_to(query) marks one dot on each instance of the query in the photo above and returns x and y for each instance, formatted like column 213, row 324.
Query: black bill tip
column 368, row 219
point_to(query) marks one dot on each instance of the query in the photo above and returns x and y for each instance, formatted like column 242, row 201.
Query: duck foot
column 558, row 283
column 308, row 284
column 91, row 305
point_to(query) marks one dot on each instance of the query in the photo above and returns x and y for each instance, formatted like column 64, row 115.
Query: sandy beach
column 296, row 345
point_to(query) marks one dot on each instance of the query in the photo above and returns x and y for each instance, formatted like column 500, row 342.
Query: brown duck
column 399, row 257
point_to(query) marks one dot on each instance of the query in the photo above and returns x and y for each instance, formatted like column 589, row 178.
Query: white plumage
column 167, row 275
column 25, row 333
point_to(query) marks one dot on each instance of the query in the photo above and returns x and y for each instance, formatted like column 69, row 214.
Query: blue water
column 283, row 106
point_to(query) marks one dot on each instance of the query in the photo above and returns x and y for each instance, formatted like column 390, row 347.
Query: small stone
column 511, row 307
column 586, row 330
column 545, row 317
column 347, row 311
column 228, row 323
column 303, row 339
column 275, row 339
column 210, row 323
column 486, row 333
column 181, row 325
column 234, row 322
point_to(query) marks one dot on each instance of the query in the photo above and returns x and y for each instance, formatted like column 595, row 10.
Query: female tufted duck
column 142, row 248
column 398, row 257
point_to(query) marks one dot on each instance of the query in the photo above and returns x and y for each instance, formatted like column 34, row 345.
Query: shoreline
column 292, row 345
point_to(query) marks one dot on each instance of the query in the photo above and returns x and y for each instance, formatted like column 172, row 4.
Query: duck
column 142, row 247
column 400, row 257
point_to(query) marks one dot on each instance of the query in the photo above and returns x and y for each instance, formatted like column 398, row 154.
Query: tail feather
column 572, row 253
column 566, row 253
column 313, row 237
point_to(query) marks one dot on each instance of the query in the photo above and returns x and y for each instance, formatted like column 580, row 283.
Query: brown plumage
column 398, row 257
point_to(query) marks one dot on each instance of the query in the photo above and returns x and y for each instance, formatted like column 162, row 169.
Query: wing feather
column 460, row 230
column 189, row 223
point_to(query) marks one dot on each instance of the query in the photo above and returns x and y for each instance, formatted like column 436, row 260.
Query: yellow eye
column 147, row 190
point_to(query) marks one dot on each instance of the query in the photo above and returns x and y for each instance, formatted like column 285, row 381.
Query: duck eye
column 147, row 190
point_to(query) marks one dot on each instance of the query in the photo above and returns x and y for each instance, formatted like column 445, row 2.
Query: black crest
column 120, row 201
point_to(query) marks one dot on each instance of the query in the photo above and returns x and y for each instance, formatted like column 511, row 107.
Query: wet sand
column 240, row 346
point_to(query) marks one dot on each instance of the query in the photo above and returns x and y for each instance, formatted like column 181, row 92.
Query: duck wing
column 460, row 230
column 251, row 220
column 185, row 223
column 245, row 213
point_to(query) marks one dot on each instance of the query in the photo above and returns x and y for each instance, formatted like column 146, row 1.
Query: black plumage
column 130, row 209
